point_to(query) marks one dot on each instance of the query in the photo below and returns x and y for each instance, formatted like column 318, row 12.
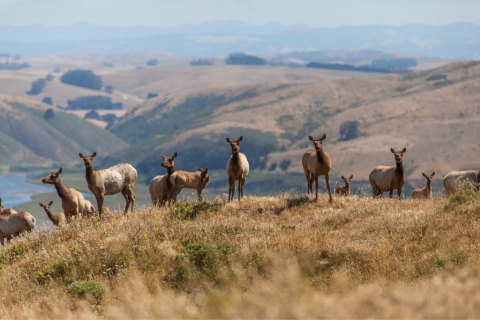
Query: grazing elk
column 14, row 224
column 316, row 162
column 388, row 178
column 457, row 180
column 57, row 219
column 345, row 189
column 161, row 187
column 119, row 178
column 73, row 202
column 237, row 168
column 426, row 192
column 6, row 211
column 197, row 180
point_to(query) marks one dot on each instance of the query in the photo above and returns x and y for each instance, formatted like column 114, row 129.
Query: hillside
column 434, row 113
column 276, row 257
column 27, row 137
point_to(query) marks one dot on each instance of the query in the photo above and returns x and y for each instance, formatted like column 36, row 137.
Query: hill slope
column 272, row 257
column 435, row 114
column 28, row 137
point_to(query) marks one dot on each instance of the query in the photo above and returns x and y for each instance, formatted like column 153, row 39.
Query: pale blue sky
column 175, row 12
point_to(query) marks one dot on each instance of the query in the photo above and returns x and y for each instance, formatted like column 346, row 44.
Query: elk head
column 168, row 162
column 88, row 159
column 46, row 206
column 53, row 177
column 398, row 155
column 204, row 177
column 235, row 144
column 318, row 142
column 347, row 179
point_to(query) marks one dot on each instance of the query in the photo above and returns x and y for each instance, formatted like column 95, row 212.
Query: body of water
column 14, row 189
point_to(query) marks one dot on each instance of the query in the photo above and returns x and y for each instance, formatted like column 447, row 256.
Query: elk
column 161, row 187
column 237, row 168
column 345, row 189
column 14, row 224
column 457, row 180
column 73, row 202
column 57, row 219
column 388, row 178
column 426, row 192
column 197, row 180
column 119, row 178
column 316, row 162
column 6, row 211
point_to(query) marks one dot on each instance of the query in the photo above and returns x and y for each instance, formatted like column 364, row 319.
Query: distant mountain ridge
column 456, row 41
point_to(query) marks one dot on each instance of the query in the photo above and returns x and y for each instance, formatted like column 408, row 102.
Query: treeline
column 93, row 103
column 379, row 65
column 12, row 62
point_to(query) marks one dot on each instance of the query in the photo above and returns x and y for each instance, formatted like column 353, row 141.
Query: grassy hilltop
column 262, row 257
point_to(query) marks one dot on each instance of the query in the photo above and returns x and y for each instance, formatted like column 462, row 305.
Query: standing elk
column 73, row 202
column 316, row 162
column 119, row 178
column 161, row 187
column 14, row 224
column 457, row 180
column 345, row 189
column 6, row 211
column 237, row 168
column 197, row 180
column 388, row 178
column 426, row 192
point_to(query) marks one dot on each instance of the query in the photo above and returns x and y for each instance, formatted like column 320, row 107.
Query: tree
column 108, row 89
column 152, row 62
column 49, row 114
column 151, row 95
column 92, row 114
column 93, row 103
column 349, row 130
column 48, row 100
column 37, row 87
column 245, row 59
column 82, row 78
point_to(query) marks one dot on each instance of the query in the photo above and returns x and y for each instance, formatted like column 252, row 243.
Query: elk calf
column 57, row 219
column 119, row 178
column 6, row 211
column 197, row 180
column 388, row 178
column 161, row 187
column 345, row 189
column 426, row 192
column 237, row 168
column 316, row 162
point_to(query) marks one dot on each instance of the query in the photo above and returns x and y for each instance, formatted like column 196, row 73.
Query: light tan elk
column 197, row 180
column 6, row 211
column 237, row 168
column 119, row 178
column 161, row 187
column 57, row 219
column 389, row 178
column 458, row 180
column 14, row 224
column 316, row 162
column 345, row 189
column 73, row 202
column 426, row 192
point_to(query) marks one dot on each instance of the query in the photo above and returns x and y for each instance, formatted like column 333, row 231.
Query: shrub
column 190, row 209
column 37, row 87
column 151, row 95
column 463, row 197
column 349, row 130
column 82, row 78
column 208, row 258
column 244, row 59
column 92, row 114
column 48, row 100
column 49, row 114
column 152, row 62
column 93, row 103
column 82, row 289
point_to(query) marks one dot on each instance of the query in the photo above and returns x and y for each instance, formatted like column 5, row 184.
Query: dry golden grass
column 276, row 257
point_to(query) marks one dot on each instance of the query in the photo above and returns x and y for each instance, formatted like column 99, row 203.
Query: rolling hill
column 27, row 137
column 434, row 113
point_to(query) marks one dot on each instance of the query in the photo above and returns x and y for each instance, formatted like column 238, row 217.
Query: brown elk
column 345, row 189
column 6, row 211
column 426, row 192
column 197, row 180
column 316, row 162
column 57, row 219
column 14, row 224
column 119, row 178
column 237, row 168
column 161, row 187
column 388, row 178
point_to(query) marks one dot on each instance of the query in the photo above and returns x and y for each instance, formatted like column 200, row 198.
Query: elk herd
column 164, row 189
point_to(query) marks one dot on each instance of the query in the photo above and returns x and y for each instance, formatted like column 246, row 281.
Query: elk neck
column 320, row 155
column 61, row 190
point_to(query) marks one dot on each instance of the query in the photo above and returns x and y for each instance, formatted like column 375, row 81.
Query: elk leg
column 327, row 181
column 239, row 187
column 316, row 187
column 100, row 205
column 127, row 201
column 231, row 188
column 399, row 192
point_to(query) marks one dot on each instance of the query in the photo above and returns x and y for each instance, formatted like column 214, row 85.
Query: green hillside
column 28, row 137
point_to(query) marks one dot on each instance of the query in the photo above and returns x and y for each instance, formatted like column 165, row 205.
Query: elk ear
column 310, row 138
column 50, row 203
column 433, row 173
column 423, row 174
column 162, row 165
column 198, row 169
column 323, row 137
column 351, row 177
column 206, row 169
column 404, row 150
column 80, row 155
column 392, row 150
column 228, row 139
column 240, row 139
column 60, row 171
column 163, row 157
column 40, row 204
column 94, row 154
column 343, row 178
column 174, row 155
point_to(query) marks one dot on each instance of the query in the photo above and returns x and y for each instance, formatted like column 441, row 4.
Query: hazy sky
column 174, row 12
